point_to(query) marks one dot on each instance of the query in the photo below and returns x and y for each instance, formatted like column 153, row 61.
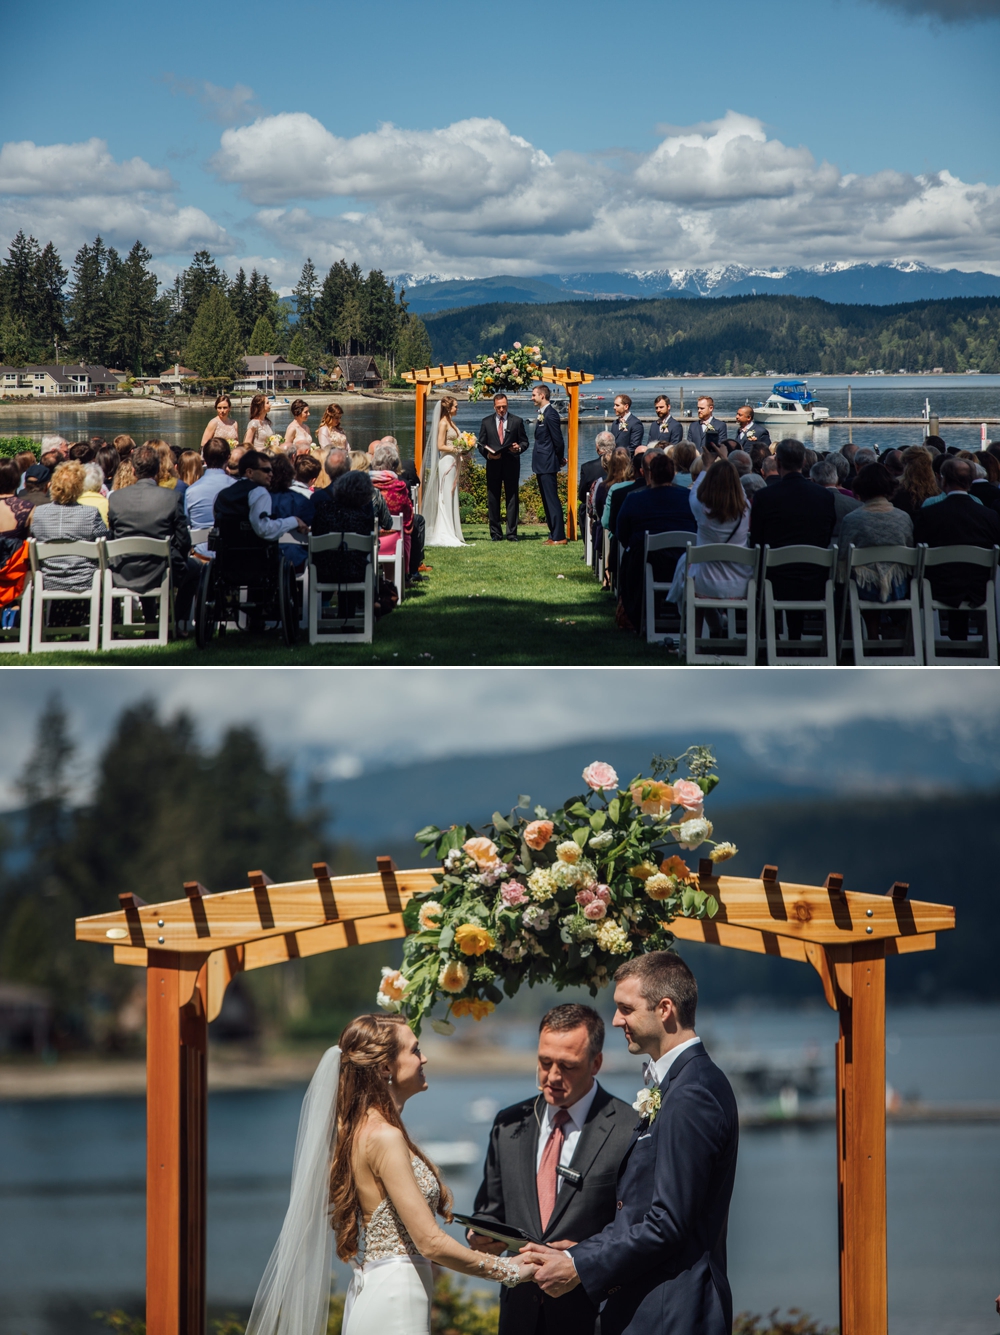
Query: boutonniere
column 647, row 1104
column 541, row 415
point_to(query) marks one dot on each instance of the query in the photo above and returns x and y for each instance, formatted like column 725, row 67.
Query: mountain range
column 868, row 284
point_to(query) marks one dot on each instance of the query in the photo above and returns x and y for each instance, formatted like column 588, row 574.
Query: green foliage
column 89, row 307
column 189, row 292
column 473, row 498
column 796, row 1323
column 730, row 334
column 31, row 301
column 14, row 345
column 12, row 445
column 263, row 340
column 357, row 313
column 302, row 352
column 215, row 347
column 414, row 344
column 137, row 314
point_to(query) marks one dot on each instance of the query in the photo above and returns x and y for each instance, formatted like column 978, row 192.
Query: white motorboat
column 790, row 401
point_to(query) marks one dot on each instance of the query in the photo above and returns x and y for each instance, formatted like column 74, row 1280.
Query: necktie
column 500, row 425
column 546, row 1178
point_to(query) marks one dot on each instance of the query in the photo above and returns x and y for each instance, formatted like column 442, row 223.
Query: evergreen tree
column 193, row 286
column 239, row 299
column 262, row 341
column 137, row 317
column 340, row 284
column 215, row 346
column 14, row 347
column 50, row 283
column 87, row 309
column 381, row 315
column 305, row 293
column 301, row 352
column 414, row 349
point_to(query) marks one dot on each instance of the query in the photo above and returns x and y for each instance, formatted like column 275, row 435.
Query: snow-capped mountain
column 870, row 284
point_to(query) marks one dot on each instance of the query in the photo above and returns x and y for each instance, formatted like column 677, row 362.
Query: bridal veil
column 294, row 1294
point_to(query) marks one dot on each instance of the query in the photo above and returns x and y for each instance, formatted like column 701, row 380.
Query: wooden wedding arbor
column 191, row 949
column 429, row 376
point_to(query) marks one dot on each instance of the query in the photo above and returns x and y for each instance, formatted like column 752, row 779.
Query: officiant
column 552, row 1165
column 502, row 441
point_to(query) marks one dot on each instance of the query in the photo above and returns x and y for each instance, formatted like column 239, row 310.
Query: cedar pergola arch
column 429, row 376
column 191, row 949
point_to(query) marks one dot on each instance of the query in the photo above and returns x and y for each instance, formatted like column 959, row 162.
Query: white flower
column 612, row 937
column 430, row 915
column 723, row 852
column 691, row 833
column 535, row 918
column 602, row 840
column 442, row 1027
column 542, row 884
column 454, row 858
column 568, row 851
column 573, row 874
column 392, row 990
column 586, row 948
column 647, row 1104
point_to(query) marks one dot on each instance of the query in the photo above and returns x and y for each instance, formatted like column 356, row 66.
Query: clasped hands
column 553, row 1271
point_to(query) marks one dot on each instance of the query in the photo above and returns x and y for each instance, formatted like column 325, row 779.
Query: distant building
column 35, row 381
column 176, row 376
column 269, row 373
column 359, row 372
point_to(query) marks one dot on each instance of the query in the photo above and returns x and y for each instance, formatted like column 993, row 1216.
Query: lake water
column 71, row 1180
column 366, row 419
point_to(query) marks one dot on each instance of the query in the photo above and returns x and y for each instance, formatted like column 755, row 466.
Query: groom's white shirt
column 578, row 1113
column 656, row 1072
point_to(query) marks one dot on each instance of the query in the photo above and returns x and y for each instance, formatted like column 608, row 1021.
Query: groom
column 502, row 441
column 548, row 459
column 659, row 1268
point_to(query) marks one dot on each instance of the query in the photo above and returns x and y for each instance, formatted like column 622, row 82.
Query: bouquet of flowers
column 506, row 371
column 558, row 896
column 464, row 442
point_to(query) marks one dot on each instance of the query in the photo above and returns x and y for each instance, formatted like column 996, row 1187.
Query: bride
column 440, row 499
column 358, row 1180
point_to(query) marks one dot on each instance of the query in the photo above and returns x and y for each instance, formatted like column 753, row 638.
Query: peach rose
column 454, row 977
column 600, row 776
column 538, row 833
column 483, row 852
column 688, row 795
column 652, row 797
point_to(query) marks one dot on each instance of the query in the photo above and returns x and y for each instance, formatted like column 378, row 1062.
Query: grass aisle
column 485, row 604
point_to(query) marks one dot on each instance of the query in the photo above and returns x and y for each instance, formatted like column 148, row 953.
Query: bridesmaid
column 259, row 428
column 298, row 436
column 222, row 424
column 330, row 435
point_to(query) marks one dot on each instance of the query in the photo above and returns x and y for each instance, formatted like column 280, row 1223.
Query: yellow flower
column 541, row 884
column 652, row 797
column 473, row 940
column 473, row 1006
column 454, row 977
column 659, row 886
column 429, row 915
column 723, row 852
column 612, row 938
column 568, row 851
column 643, row 871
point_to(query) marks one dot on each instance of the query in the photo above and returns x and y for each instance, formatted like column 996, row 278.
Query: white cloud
column 65, row 169
column 475, row 197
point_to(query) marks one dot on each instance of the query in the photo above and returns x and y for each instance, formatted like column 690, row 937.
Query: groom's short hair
column 571, row 1015
column 544, row 389
column 664, row 974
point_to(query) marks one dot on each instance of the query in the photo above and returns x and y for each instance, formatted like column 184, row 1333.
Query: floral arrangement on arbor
column 558, row 896
column 506, row 371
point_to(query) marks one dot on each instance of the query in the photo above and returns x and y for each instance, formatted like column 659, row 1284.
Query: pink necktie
column 500, row 422
column 546, row 1177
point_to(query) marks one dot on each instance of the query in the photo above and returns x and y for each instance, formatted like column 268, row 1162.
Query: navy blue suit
column 547, row 459
column 667, row 432
column 659, row 1268
column 627, row 432
column 696, row 431
column 753, row 435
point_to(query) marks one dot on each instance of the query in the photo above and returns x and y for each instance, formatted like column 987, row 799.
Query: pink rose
column 600, row 776
column 584, row 896
column 512, row 893
column 595, row 910
column 603, row 893
column 538, row 833
column 688, row 795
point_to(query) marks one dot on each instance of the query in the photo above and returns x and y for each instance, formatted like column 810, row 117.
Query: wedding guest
column 65, row 519
column 593, row 471
column 306, row 472
column 124, row 475
column 92, row 494
column 574, row 1125
column 15, row 511
column 298, row 436
column 55, row 445
column 107, row 458
column 842, row 468
column 259, row 429
column 986, row 489
column 396, row 494
column 666, row 430
column 222, row 424
column 233, row 462
column 625, row 480
column 626, row 428
column 24, row 461
column 149, row 510
column 360, row 461
column 769, row 470
column 344, row 507
column 708, row 429
column 190, row 467
column 83, row 452
column 918, row 482
column 286, row 500
column 722, row 515
column 824, row 473
column 957, row 519
column 876, row 522
column 658, row 507
column 684, row 456
column 862, row 458
column 124, row 445
column 849, row 451
column 199, row 499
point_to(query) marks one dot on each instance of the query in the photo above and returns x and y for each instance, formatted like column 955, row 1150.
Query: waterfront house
column 359, row 372
column 177, row 376
column 36, row 381
column 275, row 374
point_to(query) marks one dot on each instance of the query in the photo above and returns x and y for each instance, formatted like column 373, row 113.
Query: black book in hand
column 491, row 1228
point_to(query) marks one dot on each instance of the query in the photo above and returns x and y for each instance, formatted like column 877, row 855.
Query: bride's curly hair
column 368, row 1050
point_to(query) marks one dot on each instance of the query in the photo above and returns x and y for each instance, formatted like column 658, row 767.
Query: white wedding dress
column 391, row 1287
column 441, row 512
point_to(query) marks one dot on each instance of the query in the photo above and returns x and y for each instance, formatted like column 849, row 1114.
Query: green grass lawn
column 489, row 603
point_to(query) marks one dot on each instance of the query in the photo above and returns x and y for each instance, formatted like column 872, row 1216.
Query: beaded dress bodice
column 385, row 1234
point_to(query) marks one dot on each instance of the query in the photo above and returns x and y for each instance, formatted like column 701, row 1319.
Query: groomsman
column 748, row 433
column 709, row 429
column 626, row 428
column 666, row 430
column 551, row 1166
column 548, row 459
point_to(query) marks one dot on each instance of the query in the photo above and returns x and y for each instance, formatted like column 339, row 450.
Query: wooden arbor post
column 192, row 947
column 423, row 379
column 846, row 937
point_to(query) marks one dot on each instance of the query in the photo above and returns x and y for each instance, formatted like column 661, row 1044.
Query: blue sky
column 577, row 136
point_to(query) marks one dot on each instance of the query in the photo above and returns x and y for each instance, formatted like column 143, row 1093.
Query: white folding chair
column 588, row 549
column 395, row 560
column 902, row 648
column 41, row 598
column 938, row 649
column 199, row 536
column 17, row 639
column 785, row 649
column 602, row 560
column 659, row 542
column 111, row 637
column 415, row 499
column 346, row 542
column 705, row 649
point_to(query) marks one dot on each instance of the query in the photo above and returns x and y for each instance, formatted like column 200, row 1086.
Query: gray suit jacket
column 696, row 431
column 145, row 510
column 509, row 1194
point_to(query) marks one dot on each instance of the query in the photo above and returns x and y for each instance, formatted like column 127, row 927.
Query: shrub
column 472, row 499
column 797, row 1323
column 11, row 445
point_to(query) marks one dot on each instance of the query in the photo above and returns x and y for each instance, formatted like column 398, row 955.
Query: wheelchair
column 246, row 584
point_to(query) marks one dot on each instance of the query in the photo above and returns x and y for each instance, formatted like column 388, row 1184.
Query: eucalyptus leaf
column 500, row 824
column 427, row 835
column 526, row 856
column 580, row 837
column 598, row 820
column 523, row 800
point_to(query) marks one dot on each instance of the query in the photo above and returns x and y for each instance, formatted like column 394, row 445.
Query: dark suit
column 590, row 473
column 667, row 432
column 794, row 512
column 547, row 460
column 696, row 431
column 660, row 1265
column 957, row 521
column 509, row 1195
column 145, row 510
column 627, row 432
column 503, row 468
column 752, row 436
column 649, row 510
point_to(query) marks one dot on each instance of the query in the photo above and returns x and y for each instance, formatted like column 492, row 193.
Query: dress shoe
column 555, row 542
column 512, row 537
column 493, row 539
